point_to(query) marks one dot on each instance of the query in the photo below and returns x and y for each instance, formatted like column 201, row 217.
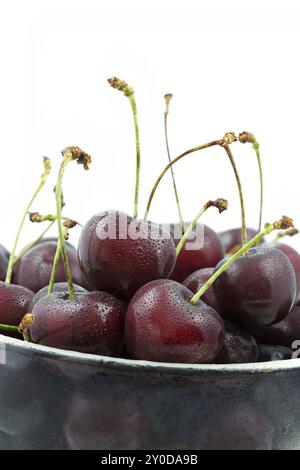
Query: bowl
column 57, row 399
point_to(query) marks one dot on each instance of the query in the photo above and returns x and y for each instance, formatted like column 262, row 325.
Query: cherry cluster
column 136, row 289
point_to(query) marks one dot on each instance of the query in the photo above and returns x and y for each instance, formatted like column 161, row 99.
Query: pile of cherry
column 151, row 297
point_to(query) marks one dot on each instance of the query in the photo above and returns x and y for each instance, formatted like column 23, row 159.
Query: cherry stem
column 54, row 268
column 290, row 232
column 129, row 93
column 283, row 223
column 220, row 142
column 220, row 204
column 32, row 244
column 37, row 217
column 9, row 328
column 168, row 98
column 69, row 154
column 47, row 170
column 245, row 137
column 240, row 190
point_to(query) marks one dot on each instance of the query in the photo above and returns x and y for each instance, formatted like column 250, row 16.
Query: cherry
column 14, row 304
column 294, row 258
column 59, row 287
column 273, row 353
column 161, row 325
column 196, row 280
column 239, row 346
column 34, row 268
column 4, row 257
column 283, row 333
column 121, row 262
column 257, row 289
column 205, row 253
column 232, row 238
column 92, row 322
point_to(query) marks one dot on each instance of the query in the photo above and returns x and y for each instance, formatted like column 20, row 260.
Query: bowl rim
column 132, row 365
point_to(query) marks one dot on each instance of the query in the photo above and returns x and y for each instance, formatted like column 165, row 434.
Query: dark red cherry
column 232, row 238
column 92, row 323
column 161, row 325
column 58, row 287
column 196, row 280
column 14, row 302
column 34, row 269
column 257, row 289
column 4, row 257
column 119, row 254
column 239, row 346
column 283, row 333
column 204, row 249
column 294, row 258
column 273, row 353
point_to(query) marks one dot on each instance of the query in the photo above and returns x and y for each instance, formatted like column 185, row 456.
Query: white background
column 231, row 65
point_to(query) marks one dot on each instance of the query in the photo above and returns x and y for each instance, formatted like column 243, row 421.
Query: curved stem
column 38, row 218
column 220, row 204
column 9, row 328
column 32, row 244
column 187, row 152
column 268, row 229
column 47, row 169
column 240, row 190
column 167, row 99
column 138, row 155
column 61, row 243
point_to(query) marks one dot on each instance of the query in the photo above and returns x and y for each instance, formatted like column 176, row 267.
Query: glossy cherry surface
column 204, row 249
column 4, row 257
column 34, row 269
column 239, row 346
column 196, row 280
column 14, row 304
column 294, row 258
column 60, row 288
column 161, row 325
column 232, row 238
column 257, row 289
column 119, row 254
column 92, row 323
column 283, row 333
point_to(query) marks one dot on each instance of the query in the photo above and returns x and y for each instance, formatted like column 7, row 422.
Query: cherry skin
column 239, row 346
column 92, row 322
column 273, row 353
column 197, row 254
column 294, row 258
column 232, row 238
column 257, row 289
column 161, row 325
column 196, row 280
column 14, row 304
column 121, row 262
column 4, row 257
column 58, row 287
column 34, row 269
column 283, row 333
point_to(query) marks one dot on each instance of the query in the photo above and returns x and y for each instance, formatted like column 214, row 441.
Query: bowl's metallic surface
column 54, row 399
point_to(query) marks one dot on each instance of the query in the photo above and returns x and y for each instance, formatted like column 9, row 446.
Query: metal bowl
column 56, row 399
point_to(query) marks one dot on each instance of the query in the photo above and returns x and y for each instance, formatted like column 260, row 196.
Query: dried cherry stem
column 282, row 224
column 69, row 154
column 47, row 170
column 290, row 232
column 168, row 98
column 38, row 218
column 240, row 190
column 227, row 139
column 220, row 204
column 128, row 91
